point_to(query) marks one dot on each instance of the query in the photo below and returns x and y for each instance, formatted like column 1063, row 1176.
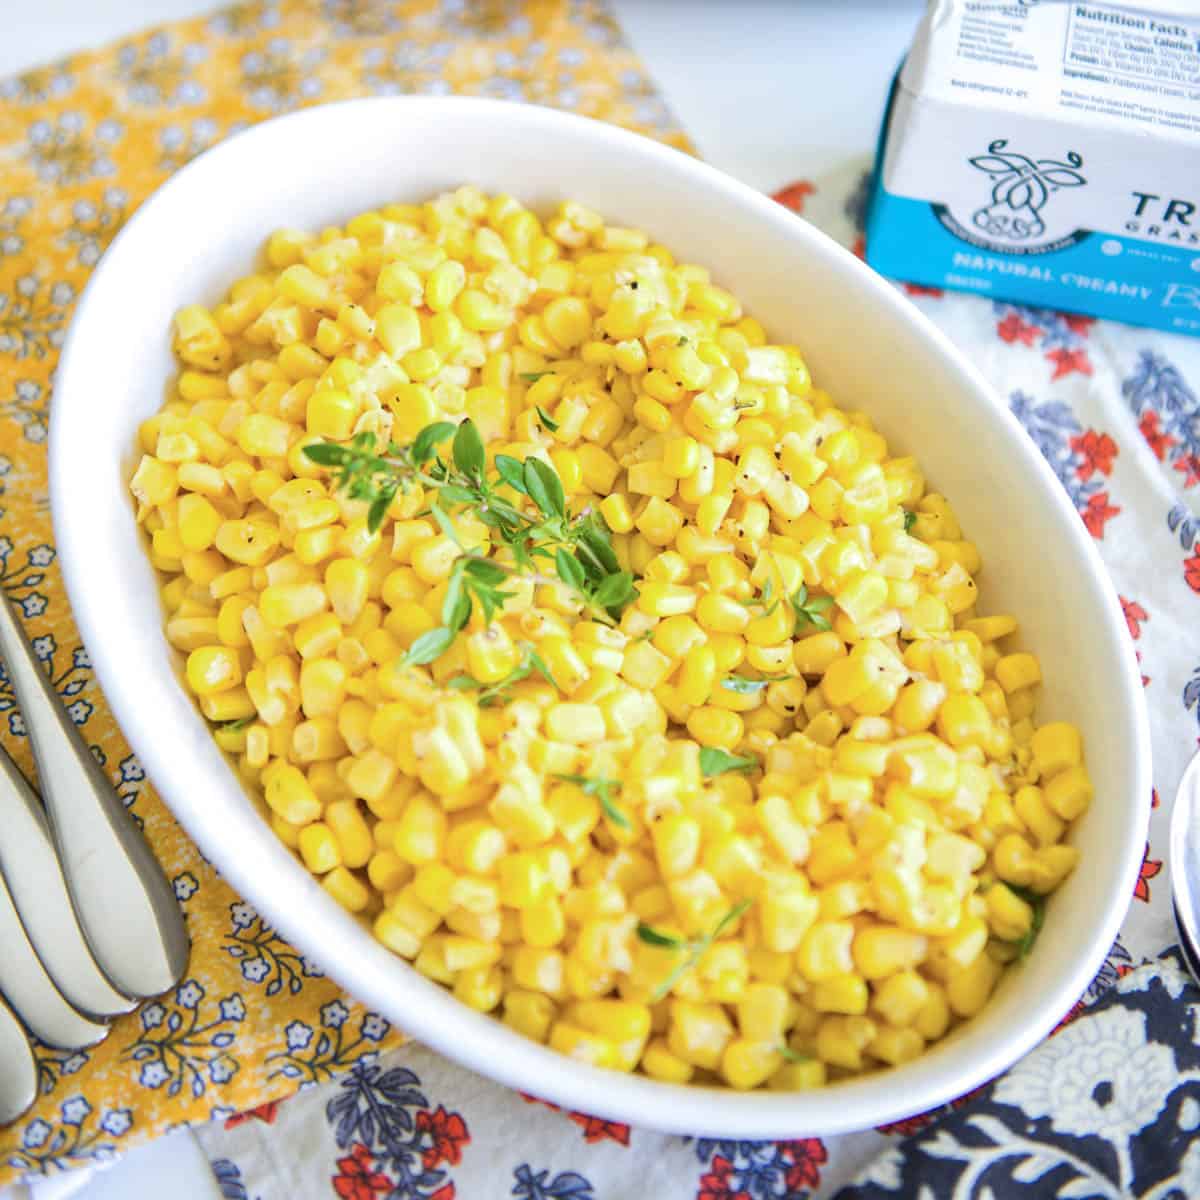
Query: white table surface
column 760, row 85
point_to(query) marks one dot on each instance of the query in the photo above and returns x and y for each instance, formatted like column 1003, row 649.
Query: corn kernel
column 1069, row 793
column 1015, row 671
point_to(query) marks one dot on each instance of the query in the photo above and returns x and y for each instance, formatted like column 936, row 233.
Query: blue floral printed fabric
column 1109, row 1106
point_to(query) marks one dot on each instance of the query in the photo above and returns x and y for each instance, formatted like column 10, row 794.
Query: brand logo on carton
column 1021, row 189
column 1164, row 218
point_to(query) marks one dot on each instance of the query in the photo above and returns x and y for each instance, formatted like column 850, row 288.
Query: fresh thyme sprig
column 694, row 948
column 578, row 544
column 910, row 519
column 604, row 789
column 365, row 475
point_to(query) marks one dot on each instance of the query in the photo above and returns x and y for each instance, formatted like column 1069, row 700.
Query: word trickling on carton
column 1048, row 153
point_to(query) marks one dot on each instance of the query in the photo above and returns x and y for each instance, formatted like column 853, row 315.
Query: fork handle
column 43, row 1009
column 29, row 865
column 122, row 898
column 18, row 1071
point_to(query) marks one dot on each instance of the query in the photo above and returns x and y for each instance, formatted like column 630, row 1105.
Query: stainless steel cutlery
column 30, row 867
column 89, row 924
column 18, row 1071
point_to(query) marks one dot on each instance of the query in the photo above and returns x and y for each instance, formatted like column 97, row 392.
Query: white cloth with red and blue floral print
column 1109, row 1106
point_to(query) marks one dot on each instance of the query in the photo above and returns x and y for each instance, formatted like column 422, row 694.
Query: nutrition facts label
column 1136, row 63
column 1104, row 42
column 1148, row 67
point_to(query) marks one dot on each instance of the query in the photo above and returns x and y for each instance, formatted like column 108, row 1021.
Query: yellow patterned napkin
column 82, row 143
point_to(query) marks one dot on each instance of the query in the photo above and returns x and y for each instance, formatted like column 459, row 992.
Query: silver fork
column 45, row 1011
column 88, row 922
column 58, row 990
column 121, row 897
column 30, row 868
column 18, row 1071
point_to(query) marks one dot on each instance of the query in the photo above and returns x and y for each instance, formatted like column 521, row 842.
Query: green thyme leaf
column 428, row 646
column 378, row 510
column 546, row 419
column 718, row 762
column 766, row 599
column 695, row 949
column 535, row 487
column 447, row 526
column 1038, row 904
column 570, row 570
column 240, row 723
column 616, row 591
column 510, row 470
column 426, row 442
column 791, row 1055
column 485, row 570
column 612, row 812
column 489, row 597
column 910, row 519
column 810, row 612
column 594, row 535
column 748, row 687
column 604, row 789
column 327, row 454
column 545, row 488
column 533, row 376
column 469, row 454
column 652, row 937
column 728, row 919
column 456, row 604
column 539, row 665
column 497, row 693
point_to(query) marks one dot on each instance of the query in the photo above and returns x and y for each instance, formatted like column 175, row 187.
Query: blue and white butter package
column 1048, row 153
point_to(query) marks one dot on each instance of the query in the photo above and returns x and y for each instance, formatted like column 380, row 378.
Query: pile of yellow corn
column 833, row 904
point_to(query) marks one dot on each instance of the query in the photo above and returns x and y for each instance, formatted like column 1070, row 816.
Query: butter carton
column 1048, row 153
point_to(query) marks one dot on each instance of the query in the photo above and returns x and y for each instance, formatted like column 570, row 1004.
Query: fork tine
column 18, row 1070
column 32, row 993
column 30, row 867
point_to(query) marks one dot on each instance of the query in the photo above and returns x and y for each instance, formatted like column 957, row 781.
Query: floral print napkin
column 82, row 143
